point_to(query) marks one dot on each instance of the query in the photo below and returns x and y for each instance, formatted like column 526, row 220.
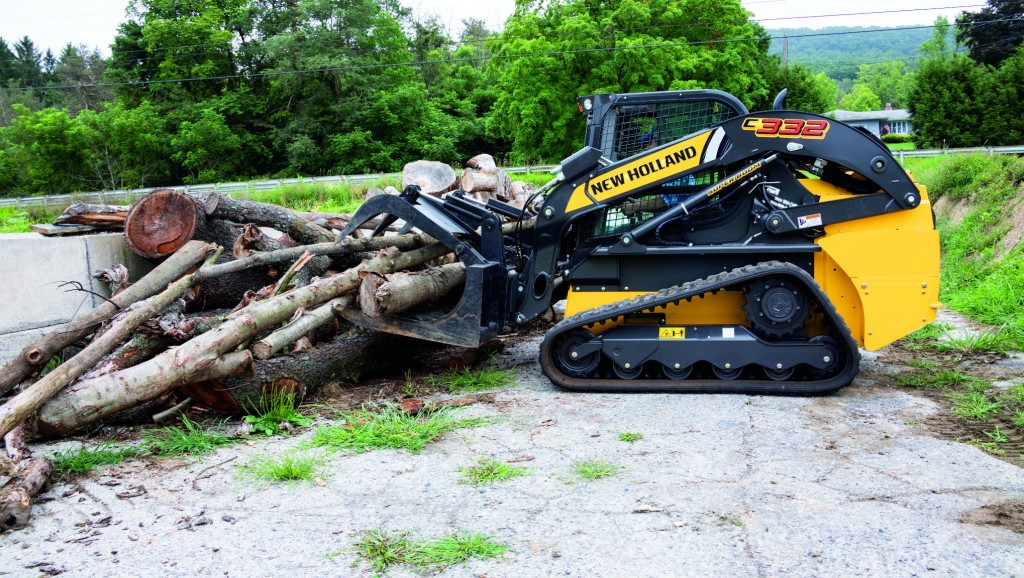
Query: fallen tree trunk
column 90, row 400
column 79, row 406
column 80, row 213
column 240, row 211
column 380, row 295
column 290, row 333
column 40, row 351
column 20, row 406
column 16, row 502
column 340, row 221
column 344, row 360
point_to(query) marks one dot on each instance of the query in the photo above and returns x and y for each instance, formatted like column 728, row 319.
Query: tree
column 82, row 69
column 860, row 98
column 805, row 90
column 206, row 147
column 125, row 147
column 28, row 66
column 44, row 149
column 946, row 103
column 993, row 34
column 891, row 81
column 553, row 51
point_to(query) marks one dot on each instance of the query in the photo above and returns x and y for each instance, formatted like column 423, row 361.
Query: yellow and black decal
column 648, row 169
column 671, row 333
column 814, row 129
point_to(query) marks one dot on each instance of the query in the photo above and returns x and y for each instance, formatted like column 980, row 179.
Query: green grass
column 980, row 277
column 17, row 219
column 390, row 428
column 85, row 459
column 286, row 467
column 1018, row 418
column 901, row 146
column 470, row 380
column 630, row 437
column 596, row 469
column 944, row 379
column 974, row 406
column 990, row 341
column 188, row 439
column 489, row 470
column 1014, row 395
column 276, row 413
column 383, row 550
column 926, row 337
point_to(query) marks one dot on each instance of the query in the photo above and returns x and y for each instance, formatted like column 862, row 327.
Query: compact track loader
column 699, row 247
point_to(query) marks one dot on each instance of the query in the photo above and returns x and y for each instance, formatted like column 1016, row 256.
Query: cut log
column 487, row 181
column 290, row 333
column 340, row 220
column 40, row 351
column 253, row 239
column 344, row 360
column 163, row 221
column 16, row 502
column 483, row 162
column 82, row 405
column 380, row 296
column 266, row 215
column 432, row 177
column 88, row 401
column 80, row 213
column 20, row 406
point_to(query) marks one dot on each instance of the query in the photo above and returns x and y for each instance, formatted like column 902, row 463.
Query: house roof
column 880, row 115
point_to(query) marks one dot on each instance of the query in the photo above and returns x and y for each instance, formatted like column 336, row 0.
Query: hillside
column 839, row 50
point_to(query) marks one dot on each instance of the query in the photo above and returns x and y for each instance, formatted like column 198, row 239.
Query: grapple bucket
column 473, row 234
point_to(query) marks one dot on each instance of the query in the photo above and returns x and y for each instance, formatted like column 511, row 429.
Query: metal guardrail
column 129, row 196
column 1014, row 150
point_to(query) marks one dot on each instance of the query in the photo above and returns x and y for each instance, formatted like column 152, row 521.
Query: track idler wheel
column 567, row 356
column 834, row 358
column 776, row 307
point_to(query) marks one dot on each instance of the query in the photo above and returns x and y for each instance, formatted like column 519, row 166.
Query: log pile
column 245, row 301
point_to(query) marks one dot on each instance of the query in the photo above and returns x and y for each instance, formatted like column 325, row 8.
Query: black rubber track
column 651, row 301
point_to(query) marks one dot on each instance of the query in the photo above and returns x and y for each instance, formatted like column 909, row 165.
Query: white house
column 879, row 122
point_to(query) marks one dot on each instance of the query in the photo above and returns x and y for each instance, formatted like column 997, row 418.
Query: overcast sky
column 54, row 23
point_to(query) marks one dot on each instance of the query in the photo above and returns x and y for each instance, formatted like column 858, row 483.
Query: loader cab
column 622, row 125
column 625, row 125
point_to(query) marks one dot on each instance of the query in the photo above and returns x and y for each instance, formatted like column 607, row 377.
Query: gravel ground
column 720, row 485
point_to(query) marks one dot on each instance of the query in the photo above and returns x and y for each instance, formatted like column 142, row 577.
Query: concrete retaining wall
column 32, row 269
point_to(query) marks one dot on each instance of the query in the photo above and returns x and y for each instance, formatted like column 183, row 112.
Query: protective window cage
column 628, row 130
column 623, row 215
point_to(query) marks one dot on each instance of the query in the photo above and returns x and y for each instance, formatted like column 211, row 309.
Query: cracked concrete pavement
column 720, row 485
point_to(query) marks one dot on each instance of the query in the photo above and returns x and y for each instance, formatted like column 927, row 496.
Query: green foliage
column 489, row 470
column 893, row 138
column 860, row 98
column 974, row 406
column 891, row 81
column 85, row 459
column 630, row 437
column 382, row 550
column 994, row 33
column 192, row 439
column 596, row 469
column 841, row 56
column 535, row 107
column 390, row 428
column 275, row 413
column 14, row 220
column 286, row 467
column 468, row 380
column 806, row 90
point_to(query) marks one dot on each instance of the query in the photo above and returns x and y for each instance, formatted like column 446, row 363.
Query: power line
column 269, row 74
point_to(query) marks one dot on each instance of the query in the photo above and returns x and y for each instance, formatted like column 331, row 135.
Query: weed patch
column 944, row 379
column 390, row 428
column 469, row 380
column 596, row 469
column 630, row 437
column 84, row 460
column 382, row 550
column 187, row 439
column 974, row 406
column 276, row 413
column 286, row 467
column 489, row 470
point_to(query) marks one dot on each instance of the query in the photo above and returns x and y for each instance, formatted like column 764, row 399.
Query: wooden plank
column 62, row 230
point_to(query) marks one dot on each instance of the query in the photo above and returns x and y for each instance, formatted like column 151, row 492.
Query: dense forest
column 215, row 90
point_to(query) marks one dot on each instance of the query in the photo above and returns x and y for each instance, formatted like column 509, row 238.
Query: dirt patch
column 1009, row 515
column 1013, row 237
column 954, row 210
column 944, row 424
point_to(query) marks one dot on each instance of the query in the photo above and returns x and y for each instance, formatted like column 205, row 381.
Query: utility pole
column 785, row 48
